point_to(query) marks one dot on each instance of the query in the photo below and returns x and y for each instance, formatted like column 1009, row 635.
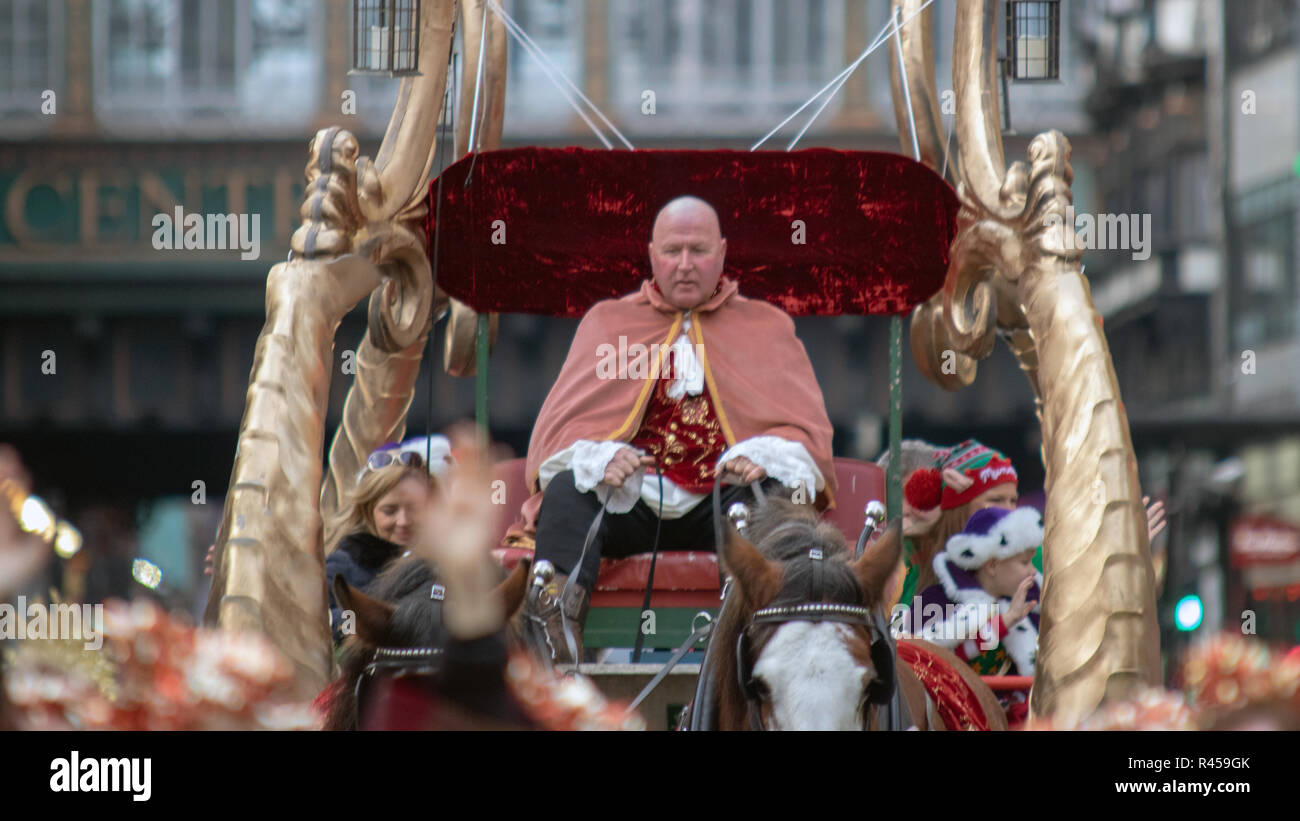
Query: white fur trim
column 1021, row 640
column 964, row 624
column 1018, row 531
column 787, row 462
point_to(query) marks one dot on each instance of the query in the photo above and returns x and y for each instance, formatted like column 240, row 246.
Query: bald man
column 678, row 385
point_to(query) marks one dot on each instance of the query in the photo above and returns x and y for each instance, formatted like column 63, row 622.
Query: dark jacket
column 358, row 558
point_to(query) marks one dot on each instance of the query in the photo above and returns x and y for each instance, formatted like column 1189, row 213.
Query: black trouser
column 566, row 516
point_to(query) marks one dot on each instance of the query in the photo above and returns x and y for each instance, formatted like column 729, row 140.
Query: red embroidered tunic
column 682, row 434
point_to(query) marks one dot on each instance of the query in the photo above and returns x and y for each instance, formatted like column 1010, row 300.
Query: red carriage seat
column 683, row 578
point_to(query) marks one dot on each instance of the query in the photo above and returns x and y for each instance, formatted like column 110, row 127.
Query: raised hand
column 1019, row 607
column 626, row 462
column 744, row 470
column 1155, row 518
column 458, row 538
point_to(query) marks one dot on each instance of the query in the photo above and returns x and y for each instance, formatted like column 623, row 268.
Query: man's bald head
column 686, row 208
column 687, row 251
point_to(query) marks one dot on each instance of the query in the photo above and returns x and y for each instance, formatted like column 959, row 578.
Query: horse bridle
column 403, row 661
column 883, row 689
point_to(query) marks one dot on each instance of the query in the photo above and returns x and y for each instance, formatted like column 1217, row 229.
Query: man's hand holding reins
column 625, row 463
column 743, row 470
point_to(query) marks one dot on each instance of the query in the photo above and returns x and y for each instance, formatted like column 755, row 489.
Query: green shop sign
column 82, row 213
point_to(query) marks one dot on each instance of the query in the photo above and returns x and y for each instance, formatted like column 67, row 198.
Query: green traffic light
column 1188, row 613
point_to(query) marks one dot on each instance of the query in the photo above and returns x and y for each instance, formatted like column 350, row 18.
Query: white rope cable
column 947, row 146
column 600, row 135
column 840, row 78
column 907, row 93
column 822, row 90
column 478, row 84
column 535, row 50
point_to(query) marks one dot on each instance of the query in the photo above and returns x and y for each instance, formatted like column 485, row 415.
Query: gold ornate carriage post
column 1012, row 274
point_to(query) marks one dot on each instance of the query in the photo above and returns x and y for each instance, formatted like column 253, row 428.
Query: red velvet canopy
column 574, row 225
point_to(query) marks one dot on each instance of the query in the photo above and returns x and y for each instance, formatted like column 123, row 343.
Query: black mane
column 407, row 583
column 417, row 622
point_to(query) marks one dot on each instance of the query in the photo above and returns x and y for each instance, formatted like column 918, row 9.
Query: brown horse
column 402, row 652
column 813, row 659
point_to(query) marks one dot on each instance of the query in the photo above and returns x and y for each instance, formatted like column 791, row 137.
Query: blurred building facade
column 160, row 104
column 166, row 103
column 1194, row 107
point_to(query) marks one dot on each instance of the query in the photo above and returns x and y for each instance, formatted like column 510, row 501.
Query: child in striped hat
column 963, row 480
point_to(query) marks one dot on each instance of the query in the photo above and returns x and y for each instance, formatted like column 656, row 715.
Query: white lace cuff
column 588, row 461
column 787, row 462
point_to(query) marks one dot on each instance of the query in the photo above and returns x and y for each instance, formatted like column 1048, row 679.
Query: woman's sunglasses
column 384, row 458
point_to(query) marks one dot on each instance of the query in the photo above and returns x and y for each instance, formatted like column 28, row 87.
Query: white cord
column 478, row 84
column 522, row 37
column 564, row 92
column 947, row 146
column 839, row 78
column 907, row 93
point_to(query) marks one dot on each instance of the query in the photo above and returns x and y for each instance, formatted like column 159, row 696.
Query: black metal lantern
column 1034, row 40
column 386, row 37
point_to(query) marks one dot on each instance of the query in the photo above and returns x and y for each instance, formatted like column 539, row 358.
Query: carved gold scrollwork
column 918, row 53
column 361, row 234
column 1014, row 272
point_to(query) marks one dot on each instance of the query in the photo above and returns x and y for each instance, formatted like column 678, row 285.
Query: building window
column 532, row 99
column 1258, row 28
column 201, row 64
column 1265, row 256
column 723, row 65
column 1034, row 39
column 376, row 96
column 31, row 55
column 1191, row 200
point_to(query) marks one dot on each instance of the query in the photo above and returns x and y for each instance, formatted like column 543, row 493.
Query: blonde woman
column 380, row 522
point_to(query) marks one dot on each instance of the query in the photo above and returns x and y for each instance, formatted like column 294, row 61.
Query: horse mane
column 783, row 532
column 405, row 583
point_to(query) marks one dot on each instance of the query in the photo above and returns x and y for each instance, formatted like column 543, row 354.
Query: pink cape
column 756, row 371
